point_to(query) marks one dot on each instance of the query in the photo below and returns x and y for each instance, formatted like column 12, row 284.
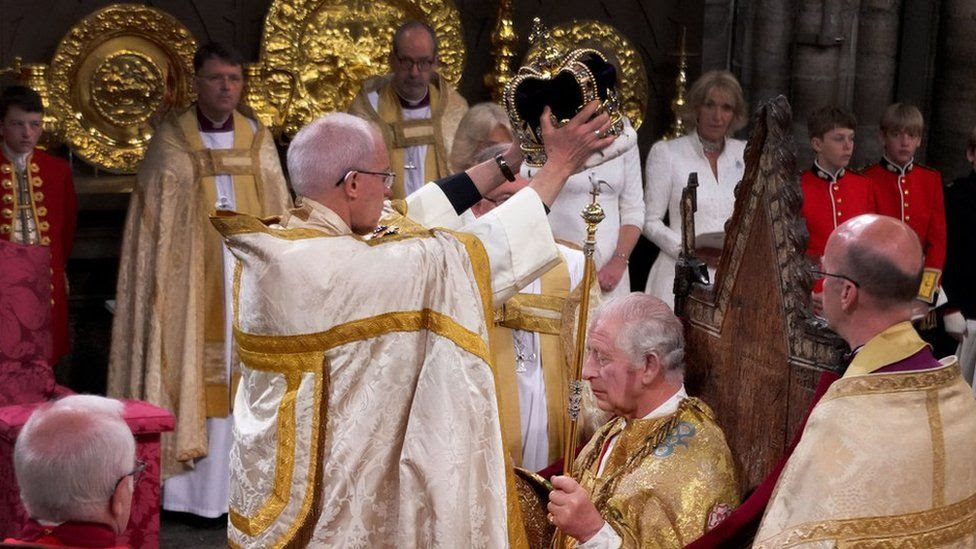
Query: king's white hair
column 646, row 325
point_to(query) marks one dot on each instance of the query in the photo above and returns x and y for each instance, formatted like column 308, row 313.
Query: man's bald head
column 881, row 253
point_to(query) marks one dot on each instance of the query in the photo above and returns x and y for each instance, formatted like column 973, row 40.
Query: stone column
column 717, row 40
column 822, row 63
column 764, row 36
column 953, row 108
column 874, row 80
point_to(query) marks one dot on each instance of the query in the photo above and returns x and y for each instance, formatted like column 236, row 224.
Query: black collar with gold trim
column 895, row 168
column 822, row 173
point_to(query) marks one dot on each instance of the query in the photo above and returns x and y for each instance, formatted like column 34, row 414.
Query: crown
column 564, row 82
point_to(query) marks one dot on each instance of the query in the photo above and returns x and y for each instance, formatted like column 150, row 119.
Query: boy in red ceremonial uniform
column 832, row 194
column 38, row 206
column 911, row 192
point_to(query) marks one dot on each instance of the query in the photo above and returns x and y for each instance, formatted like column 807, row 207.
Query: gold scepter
column 592, row 214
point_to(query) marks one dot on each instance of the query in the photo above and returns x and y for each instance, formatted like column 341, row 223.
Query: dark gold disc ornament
column 114, row 74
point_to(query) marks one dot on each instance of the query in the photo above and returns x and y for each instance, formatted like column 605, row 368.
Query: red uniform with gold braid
column 54, row 210
column 914, row 195
column 829, row 200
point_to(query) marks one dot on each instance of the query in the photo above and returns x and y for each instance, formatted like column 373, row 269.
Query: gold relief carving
column 113, row 75
column 317, row 53
column 632, row 78
column 127, row 88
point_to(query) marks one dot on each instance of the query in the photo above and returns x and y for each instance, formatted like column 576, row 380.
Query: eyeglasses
column 422, row 64
column 215, row 79
column 817, row 272
column 134, row 473
column 388, row 177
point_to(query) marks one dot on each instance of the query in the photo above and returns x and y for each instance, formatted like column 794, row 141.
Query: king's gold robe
column 167, row 335
column 885, row 459
column 367, row 413
column 665, row 478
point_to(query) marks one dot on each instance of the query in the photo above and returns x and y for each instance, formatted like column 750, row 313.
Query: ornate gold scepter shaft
column 592, row 214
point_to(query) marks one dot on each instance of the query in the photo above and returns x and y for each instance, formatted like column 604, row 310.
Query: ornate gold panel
column 632, row 79
column 316, row 53
column 113, row 75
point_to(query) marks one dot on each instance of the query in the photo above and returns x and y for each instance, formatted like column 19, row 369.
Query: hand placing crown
column 564, row 83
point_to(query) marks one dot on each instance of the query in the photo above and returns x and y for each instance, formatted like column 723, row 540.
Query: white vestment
column 366, row 414
column 533, row 408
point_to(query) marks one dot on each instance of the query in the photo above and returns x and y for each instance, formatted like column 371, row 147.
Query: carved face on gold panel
column 218, row 85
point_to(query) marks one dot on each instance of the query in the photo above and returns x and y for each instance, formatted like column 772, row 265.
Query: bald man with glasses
column 885, row 458
column 417, row 111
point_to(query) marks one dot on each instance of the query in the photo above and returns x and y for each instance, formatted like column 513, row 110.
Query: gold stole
column 240, row 162
column 400, row 134
column 540, row 313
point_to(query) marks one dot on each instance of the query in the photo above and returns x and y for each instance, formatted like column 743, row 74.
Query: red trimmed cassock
column 914, row 195
column 38, row 206
column 831, row 199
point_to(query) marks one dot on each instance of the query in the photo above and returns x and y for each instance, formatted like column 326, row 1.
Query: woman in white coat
column 622, row 200
column 715, row 109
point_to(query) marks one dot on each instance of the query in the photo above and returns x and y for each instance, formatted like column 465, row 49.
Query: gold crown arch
column 631, row 78
column 112, row 77
column 316, row 54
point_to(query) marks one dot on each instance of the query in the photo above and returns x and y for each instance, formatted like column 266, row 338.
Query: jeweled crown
column 565, row 82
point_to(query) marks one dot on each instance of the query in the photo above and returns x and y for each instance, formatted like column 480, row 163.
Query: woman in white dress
column 714, row 110
column 622, row 201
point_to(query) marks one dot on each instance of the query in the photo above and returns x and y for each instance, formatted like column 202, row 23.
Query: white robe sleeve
column 519, row 243
column 631, row 199
column 657, row 199
column 606, row 538
column 430, row 207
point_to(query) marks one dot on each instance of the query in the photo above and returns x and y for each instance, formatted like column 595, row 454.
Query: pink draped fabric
column 25, row 324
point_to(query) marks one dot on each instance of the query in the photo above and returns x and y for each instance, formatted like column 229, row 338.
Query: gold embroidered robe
column 167, row 335
column 367, row 414
column 437, row 132
column 664, row 478
column 885, row 460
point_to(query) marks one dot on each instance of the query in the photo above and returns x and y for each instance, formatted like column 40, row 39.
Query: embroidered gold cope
column 367, row 413
column 664, row 478
column 168, row 332
column 885, row 460
column 437, row 132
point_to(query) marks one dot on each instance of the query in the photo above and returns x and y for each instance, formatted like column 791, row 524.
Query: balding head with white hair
column 340, row 161
column 74, row 460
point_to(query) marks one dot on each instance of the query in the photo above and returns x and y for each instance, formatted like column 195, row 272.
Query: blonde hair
column 723, row 80
column 473, row 131
column 902, row 117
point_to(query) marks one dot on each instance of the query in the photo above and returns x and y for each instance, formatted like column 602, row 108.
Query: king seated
column 660, row 474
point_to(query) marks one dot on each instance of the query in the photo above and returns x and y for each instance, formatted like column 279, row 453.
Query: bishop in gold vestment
column 417, row 111
column 886, row 457
column 168, row 338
